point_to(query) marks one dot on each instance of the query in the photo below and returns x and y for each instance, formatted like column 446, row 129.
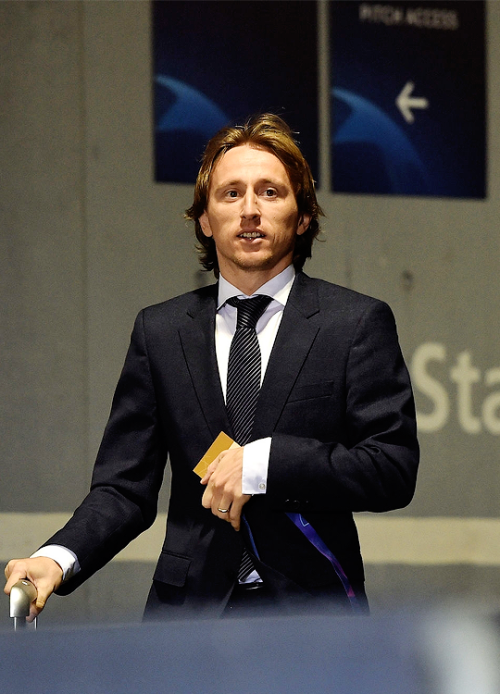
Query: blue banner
column 408, row 98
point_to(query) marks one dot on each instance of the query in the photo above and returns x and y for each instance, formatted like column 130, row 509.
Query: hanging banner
column 219, row 62
column 408, row 98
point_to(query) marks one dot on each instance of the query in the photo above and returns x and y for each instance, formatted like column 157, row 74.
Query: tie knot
column 249, row 310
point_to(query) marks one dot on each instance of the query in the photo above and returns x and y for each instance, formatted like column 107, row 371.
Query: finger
column 235, row 515
column 206, row 477
column 37, row 606
column 45, row 587
column 237, row 509
column 212, row 468
column 208, row 474
column 211, row 498
column 220, row 501
column 8, row 568
column 206, row 499
column 15, row 570
column 44, row 593
column 223, row 508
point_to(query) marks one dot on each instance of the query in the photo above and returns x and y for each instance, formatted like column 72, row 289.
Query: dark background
column 246, row 57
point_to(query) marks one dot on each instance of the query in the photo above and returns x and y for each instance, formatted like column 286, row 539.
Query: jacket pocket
column 172, row 569
column 309, row 391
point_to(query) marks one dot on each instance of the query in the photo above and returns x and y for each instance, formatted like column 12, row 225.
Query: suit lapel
column 197, row 337
column 296, row 334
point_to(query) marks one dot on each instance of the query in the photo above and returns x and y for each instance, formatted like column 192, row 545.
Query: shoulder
column 334, row 297
column 178, row 309
column 359, row 318
column 340, row 308
column 190, row 302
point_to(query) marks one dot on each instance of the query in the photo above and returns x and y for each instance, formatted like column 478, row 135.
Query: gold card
column 223, row 442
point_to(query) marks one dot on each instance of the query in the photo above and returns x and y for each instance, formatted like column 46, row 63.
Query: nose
column 250, row 208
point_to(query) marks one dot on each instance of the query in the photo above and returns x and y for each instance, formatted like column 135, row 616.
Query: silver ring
column 223, row 510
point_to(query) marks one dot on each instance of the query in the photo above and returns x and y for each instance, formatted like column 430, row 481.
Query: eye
column 270, row 193
column 231, row 193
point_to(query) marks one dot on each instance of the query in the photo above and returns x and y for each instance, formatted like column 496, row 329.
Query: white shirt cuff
column 255, row 466
column 67, row 560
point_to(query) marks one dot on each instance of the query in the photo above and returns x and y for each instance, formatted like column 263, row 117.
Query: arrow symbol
column 405, row 102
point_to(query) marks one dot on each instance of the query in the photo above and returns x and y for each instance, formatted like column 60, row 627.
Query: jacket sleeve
column 128, row 472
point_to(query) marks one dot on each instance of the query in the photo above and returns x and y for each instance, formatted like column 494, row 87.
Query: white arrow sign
column 405, row 102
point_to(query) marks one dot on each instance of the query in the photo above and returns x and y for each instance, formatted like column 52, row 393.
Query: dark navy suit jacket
column 337, row 402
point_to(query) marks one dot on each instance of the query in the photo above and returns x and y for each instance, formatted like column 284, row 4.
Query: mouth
column 251, row 235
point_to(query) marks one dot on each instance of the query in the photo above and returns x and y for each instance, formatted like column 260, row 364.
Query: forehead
column 245, row 163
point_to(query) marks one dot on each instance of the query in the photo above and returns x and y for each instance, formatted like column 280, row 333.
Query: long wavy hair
column 269, row 132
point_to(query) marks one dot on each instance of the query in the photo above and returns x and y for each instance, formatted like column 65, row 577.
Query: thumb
column 44, row 588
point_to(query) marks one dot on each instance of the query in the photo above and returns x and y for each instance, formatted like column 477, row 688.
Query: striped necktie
column 243, row 381
column 243, row 371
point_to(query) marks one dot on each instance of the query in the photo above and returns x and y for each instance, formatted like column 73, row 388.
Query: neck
column 248, row 281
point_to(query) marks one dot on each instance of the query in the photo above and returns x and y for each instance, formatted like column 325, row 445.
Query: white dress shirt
column 255, row 454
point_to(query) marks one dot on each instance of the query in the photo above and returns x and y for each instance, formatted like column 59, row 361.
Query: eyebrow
column 262, row 181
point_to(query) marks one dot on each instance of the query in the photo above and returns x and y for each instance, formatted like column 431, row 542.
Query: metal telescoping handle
column 22, row 595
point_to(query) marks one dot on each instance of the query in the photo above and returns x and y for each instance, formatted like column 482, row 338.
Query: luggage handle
column 22, row 594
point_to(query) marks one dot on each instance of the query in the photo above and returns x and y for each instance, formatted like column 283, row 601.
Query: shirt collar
column 278, row 288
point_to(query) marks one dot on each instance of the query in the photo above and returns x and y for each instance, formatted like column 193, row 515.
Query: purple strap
column 306, row 528
column 308, row 531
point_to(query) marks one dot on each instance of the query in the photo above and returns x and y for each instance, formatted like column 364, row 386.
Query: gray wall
column 87, row 238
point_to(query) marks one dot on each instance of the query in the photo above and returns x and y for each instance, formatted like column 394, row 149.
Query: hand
column 223, row 482
column 45, row 574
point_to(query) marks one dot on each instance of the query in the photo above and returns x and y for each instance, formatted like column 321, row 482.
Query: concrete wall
column 87, row 238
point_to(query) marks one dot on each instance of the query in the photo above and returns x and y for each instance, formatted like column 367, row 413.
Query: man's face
column 252, row 214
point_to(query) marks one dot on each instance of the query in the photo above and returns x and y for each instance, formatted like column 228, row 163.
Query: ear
column 205, row 224
column 304, row 222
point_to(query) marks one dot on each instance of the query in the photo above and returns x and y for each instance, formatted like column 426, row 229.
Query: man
column 332, row 432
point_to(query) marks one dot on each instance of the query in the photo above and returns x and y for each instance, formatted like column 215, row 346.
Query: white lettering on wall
column 430, row 386
column 465, row 375
column 491, row 406
column 419, row 17
column 456, row 392
column 381, row 14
